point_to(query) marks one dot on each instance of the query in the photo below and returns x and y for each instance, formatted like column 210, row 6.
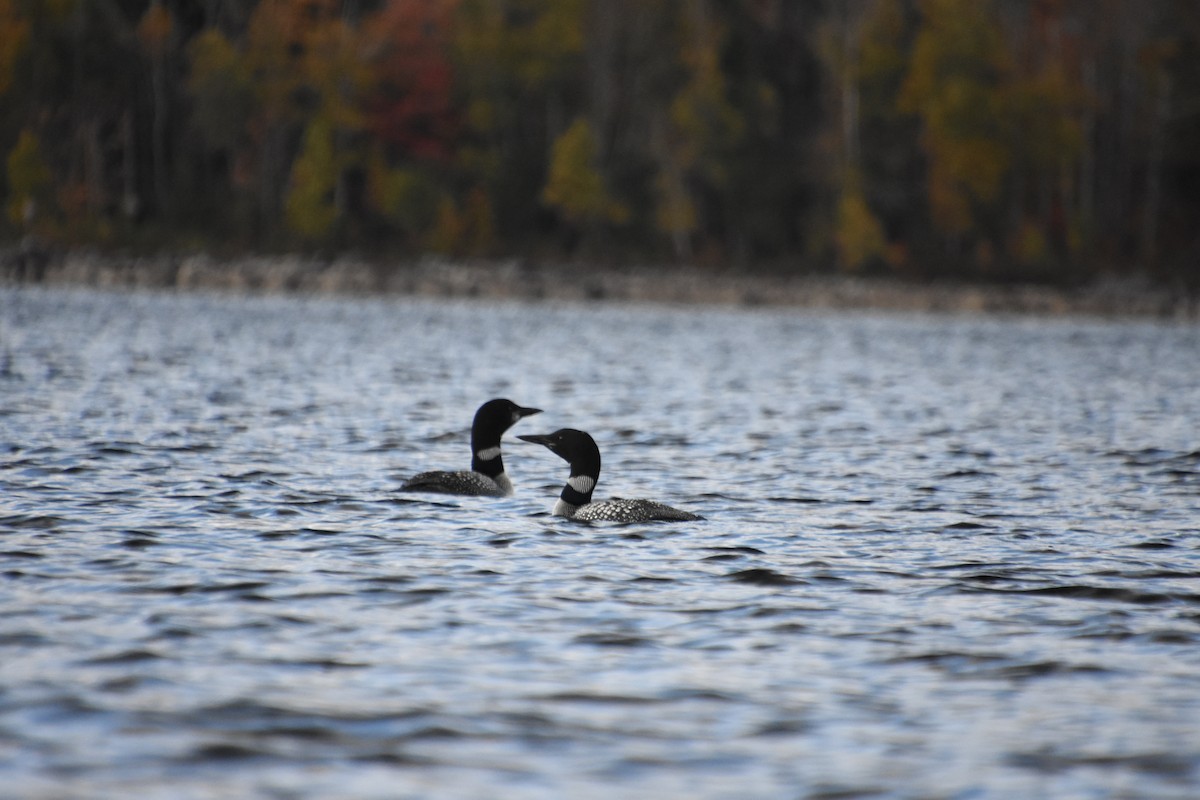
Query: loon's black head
column 495, row 417
column 580, row 450
column 576, row 447
column 491, row 421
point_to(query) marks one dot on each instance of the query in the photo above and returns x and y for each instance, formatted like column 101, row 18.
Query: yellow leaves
column 700, row 132
column 964, row 172
column 405, row 197
column 1045, row 109
column 955, row 86
column 948, row 203
column 310, row 208
column 881, row 51
column 675, row 213
column 957, row 38
column 706, row 125
column 211, row 54
column 448, row 230
column 298, row 48
column 29, row 179
column 1001, row 123
column 858, row 234
column 575, row 187
column 530, row 40
column 1029, row 246
column 555, row 35
column 412, row 200
column 470, row 231
column 336, row 69
column 271, row 44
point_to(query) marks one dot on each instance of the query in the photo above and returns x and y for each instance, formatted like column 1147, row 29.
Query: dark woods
column 1051, row 140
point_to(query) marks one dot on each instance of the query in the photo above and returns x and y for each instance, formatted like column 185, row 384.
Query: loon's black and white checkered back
column 486, row 476
column 575, row 502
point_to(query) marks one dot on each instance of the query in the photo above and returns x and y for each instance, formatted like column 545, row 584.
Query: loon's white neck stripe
column 582, row 483
column 488, row 453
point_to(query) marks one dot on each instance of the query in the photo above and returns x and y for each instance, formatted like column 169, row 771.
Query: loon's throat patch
column 582, row 483
column 488, row 453
column 578, row 490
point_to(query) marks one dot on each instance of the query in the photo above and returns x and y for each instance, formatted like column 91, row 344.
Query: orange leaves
column 867, row 132
column 305, row 58
column 14, row 35
column 154, row 30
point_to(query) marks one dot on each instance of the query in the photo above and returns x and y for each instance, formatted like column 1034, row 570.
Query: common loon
column 486, row 476
column 575, row 502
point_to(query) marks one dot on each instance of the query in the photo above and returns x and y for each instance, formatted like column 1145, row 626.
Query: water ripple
column 943, row 557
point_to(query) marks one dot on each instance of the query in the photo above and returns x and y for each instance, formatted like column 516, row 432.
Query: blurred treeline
column 1043, row 139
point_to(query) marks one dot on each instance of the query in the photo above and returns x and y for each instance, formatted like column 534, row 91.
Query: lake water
column 944, row 556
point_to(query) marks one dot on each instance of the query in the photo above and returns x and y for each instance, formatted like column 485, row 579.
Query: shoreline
column 518, row 280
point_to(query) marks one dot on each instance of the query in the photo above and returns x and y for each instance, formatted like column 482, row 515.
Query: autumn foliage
column 1031, row 139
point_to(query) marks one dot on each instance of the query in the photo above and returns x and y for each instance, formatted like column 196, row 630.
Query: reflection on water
column 944, row 556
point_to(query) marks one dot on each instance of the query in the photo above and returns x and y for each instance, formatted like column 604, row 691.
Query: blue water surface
column 945, row 556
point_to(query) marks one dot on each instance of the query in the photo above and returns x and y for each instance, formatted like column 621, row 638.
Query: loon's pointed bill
column 520, row 413
column 575, row 502
column 486, row 476
column 546, row 439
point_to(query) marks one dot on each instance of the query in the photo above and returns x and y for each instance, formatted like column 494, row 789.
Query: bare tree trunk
column 1087, row 160
column 1154, row 162
column 159, row 135
column 130, row 203
column 93, row 166
column 602, row 42
column 851, row 31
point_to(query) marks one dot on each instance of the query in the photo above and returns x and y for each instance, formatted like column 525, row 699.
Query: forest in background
column 1047, row 140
